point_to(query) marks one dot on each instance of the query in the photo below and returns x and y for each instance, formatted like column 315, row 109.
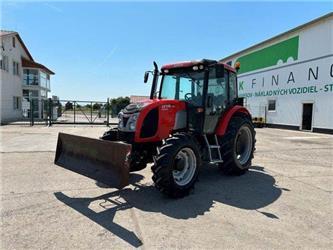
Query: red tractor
column 195, row 117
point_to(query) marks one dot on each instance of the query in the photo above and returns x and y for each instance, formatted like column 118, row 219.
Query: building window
column 30, row 94
column 30, row 77
column 43, row 93
column 13, row 42
column 17, row 102
column 16, row 68
column 26, row 94
column 271, row 105
column 44, row 80
column 34, row 93
column 4, row 62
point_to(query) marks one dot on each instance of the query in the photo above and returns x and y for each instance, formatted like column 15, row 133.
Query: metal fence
column 80, row 112
column 33, row 111
column 49, row 111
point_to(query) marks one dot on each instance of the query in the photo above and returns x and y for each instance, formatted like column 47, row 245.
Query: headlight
column 120, row 124
column 127, row 123
column 132, row 121
column 120, row 120
column 132, row 125
column 134, row 117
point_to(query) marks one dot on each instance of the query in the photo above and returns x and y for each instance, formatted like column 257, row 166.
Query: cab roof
column 205, row 62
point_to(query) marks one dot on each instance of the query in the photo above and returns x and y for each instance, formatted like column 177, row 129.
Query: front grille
column 150, row 123
column 126, row 136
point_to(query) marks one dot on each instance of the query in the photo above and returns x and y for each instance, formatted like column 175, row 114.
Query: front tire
column 176, row 166
column 137, row 160
column 238, row 145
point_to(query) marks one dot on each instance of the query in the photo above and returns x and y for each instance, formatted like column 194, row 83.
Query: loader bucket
column 103, row 161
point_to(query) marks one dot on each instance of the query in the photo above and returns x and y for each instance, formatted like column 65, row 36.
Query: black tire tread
column 228, row 167
column 163, row 166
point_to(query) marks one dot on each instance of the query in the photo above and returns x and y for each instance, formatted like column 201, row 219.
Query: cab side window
column 232, row 86
column 217, row 91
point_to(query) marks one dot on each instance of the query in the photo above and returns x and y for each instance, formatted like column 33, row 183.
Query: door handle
column 210, row 101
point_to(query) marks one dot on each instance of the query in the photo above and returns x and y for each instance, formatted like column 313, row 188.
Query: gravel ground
column 284, row 201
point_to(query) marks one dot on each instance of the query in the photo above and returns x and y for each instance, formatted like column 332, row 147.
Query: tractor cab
column 208, row 87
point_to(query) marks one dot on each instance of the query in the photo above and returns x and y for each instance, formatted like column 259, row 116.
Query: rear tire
column 237, row 146
column 176, row 166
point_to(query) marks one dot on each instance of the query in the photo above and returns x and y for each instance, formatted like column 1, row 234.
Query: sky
column 102, row 49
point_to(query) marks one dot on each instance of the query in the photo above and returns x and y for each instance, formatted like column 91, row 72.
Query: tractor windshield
column 184, row 86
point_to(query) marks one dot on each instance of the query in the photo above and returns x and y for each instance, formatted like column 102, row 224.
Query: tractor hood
column 152, row 119
column 138, row 106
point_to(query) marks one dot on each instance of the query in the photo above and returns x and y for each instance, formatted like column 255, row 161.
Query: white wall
column 11, row 85
column 315, row 50
column 291, row 96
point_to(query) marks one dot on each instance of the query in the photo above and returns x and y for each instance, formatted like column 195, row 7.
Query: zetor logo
column 167, row 106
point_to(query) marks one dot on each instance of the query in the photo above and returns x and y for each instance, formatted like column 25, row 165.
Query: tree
column 118, row 104
column 123, row 102
column 97, row 106
column 69, row 106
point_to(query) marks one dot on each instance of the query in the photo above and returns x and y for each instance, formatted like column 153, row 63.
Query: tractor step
column 211, row 147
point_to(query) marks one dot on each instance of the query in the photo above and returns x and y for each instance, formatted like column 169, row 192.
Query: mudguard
column 225, row 119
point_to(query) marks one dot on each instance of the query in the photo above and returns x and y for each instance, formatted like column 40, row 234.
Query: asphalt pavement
column 283, row 202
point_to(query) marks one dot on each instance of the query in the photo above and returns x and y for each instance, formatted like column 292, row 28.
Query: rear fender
column 225, row 119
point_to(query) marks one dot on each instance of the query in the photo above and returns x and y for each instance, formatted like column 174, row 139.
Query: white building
column 288, row 79
column 138, row 98
column 22, row 79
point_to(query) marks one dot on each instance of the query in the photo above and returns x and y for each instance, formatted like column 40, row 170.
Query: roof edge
column 24, row 47
column 330, row 14
column 32, row 64
column 16, row 34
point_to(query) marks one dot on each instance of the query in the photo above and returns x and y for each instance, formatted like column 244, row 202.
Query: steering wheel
column 188, row 97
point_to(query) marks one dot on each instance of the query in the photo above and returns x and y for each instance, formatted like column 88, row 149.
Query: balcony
column 35, row 77
column 36, row 74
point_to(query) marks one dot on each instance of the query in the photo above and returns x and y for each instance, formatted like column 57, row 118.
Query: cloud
column 53, row 7
column 96, row 69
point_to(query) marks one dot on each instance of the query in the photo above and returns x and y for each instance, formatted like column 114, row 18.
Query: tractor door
column 216, row 97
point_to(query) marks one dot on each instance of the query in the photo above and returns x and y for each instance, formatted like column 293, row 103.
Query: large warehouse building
column 288, row 80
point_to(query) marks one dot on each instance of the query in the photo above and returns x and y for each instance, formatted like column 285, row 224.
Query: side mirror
column 146, row 76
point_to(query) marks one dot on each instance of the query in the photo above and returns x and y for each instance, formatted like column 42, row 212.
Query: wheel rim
column 184, row 174
column 244, row 144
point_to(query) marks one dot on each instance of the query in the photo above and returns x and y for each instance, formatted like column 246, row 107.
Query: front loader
column 195, row 117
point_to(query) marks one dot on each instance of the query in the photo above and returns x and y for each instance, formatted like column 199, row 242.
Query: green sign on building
column 269, row 56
